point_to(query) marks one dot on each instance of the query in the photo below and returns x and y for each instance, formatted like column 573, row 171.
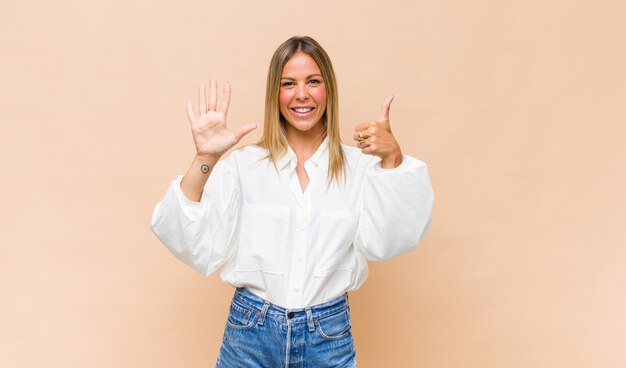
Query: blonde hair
column 274, row 137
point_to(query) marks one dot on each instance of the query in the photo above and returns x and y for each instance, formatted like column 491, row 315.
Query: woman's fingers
column 369, row 147
column 364, row 143
column 201, row 99
column 209, row 129
column 204, row 107
column 212, row 94
column 384, row 114
column 375, row 137
column 368, row 129
column 361, row 126
column 239, row 133
column 360, row 135
column 212, row 97
column 225, row 99
column 190, row 114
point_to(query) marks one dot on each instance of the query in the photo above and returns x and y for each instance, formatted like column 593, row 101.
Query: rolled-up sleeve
column 201, row 234
column 395, row 209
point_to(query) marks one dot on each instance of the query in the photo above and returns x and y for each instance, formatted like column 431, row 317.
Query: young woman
column 292, row 220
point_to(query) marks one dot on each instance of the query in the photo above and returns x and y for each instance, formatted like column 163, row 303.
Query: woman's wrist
column 391, row 161
column 207, row 159
column 193, row 182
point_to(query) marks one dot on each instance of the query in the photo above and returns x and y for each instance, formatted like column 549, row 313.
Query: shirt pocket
column 262, row 238
column 336, row 235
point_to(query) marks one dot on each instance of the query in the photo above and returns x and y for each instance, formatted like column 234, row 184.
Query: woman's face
column 302, row 94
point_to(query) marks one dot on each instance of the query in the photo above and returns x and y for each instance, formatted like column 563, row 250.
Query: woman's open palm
column 210, row 130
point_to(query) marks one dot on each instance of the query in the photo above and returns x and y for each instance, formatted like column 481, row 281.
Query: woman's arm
column 201, row 234
column 211, row 137
column 396, row 199
column 196, row 177
column 197, row 218
column 396, row 209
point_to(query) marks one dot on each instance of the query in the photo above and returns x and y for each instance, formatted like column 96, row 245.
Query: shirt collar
column 320, row 157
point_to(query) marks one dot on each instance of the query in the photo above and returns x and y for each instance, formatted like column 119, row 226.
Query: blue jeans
column 261, row 334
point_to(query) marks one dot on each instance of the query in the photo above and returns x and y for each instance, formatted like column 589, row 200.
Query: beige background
column 517, row 106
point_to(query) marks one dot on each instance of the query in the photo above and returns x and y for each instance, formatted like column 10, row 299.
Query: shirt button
column 299, row 259
column 295, row 290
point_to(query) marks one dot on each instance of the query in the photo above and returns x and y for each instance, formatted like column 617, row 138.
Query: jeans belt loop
column 266, row 306
column 309, row 318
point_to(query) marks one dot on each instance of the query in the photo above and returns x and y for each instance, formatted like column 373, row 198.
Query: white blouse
column 293, row 248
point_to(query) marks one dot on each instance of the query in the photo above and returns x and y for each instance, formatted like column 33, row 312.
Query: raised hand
column 210, row 130
column 375, row 138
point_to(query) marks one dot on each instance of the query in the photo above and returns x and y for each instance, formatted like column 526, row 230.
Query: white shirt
column 293, row 248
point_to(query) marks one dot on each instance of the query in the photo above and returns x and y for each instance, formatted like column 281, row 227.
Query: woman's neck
column 304, row 144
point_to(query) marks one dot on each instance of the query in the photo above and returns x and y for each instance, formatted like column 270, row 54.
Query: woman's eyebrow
column 308, row 77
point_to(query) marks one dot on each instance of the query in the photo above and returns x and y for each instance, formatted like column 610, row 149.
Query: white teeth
column 303, row 109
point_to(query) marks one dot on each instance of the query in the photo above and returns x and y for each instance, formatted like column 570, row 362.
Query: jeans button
column 290, row 315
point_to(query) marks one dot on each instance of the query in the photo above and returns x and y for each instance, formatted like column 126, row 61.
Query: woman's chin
column 304, row 126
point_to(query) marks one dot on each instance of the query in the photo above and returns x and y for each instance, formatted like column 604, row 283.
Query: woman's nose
column 301, row 93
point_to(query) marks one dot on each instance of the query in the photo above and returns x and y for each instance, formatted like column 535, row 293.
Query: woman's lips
column 302, row 111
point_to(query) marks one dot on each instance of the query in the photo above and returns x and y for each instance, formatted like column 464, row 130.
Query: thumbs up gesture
column 375, row 138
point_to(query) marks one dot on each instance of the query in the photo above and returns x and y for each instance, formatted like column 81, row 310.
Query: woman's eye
column 315, row 81
column 286, row 84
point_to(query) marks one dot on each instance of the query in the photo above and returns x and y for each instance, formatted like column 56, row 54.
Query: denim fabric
column 261, row 334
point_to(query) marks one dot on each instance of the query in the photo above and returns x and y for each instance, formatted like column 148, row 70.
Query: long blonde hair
column 274, row 137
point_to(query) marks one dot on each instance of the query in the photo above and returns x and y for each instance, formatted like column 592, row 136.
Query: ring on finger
column 360, row 137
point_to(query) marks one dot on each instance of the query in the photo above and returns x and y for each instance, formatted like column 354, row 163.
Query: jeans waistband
column 246, row 298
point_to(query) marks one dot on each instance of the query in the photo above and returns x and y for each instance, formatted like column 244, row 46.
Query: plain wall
column 518, row 108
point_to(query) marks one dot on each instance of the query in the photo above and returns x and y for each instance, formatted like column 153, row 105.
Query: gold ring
column 360, row 138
